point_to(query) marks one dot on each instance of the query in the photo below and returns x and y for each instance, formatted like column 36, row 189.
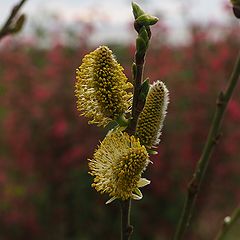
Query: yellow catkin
column 151, row 119
column 101, row 87
column 118, row 164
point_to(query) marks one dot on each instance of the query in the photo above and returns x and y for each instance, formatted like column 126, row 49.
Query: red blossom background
column 45, row 188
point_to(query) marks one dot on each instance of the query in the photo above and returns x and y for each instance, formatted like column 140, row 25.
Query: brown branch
column 11, row 23
column 142, row 41
column 127, row 228
column 203, row 162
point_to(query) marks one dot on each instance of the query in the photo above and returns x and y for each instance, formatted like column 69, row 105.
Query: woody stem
column 127, row 228
column 202, row 165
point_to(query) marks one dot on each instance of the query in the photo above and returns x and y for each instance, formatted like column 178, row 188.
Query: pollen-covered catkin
column 101, row 87
column 151, row 119
column 117, row 166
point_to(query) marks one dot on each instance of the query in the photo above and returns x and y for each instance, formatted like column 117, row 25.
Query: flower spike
column 117, row 166
column 151, row 119
column 101, row 87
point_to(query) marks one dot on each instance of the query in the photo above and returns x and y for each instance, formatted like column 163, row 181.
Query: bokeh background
column 45, row 188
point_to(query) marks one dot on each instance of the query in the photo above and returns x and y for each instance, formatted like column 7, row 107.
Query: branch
column 141, row 25
column 127, row 228
column 13, row 25
column 136, row 107
column 203, row 162
column 228, row 224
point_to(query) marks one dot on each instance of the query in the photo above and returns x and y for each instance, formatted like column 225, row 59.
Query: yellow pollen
column 118, row 164
column 101, row 87
column 151, row 119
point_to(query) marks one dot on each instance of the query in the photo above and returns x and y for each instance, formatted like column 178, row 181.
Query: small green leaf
column 143, row 182
column 19, row 24
column 146, row 20
column 144, row 89
column 141, row 46
column 122, row 121
column 137, row 11
column 138, row 192
column 144, row 35
column 111, row 200
column 151, row 151
column 137, row 195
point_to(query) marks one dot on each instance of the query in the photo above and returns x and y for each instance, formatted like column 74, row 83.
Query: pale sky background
column 111, row 16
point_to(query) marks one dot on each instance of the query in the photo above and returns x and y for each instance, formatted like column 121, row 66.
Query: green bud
column 19, row 24
column 17, row 27
column 146, row 20
column 151, row 151
column 122, row 121
column 134, row 70
column 141, row 45
column 144, row 90
column 137, row 11
column 144, row 35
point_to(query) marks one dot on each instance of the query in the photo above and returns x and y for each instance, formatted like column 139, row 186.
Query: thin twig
column 7, row 28
column 203, row 162
column 228, row 224
column 127, row 228
column 137, row 107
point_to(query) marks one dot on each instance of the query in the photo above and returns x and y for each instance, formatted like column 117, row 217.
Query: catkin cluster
column 102, row 92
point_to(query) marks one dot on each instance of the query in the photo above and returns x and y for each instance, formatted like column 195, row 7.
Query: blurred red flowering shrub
column 45, row 189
